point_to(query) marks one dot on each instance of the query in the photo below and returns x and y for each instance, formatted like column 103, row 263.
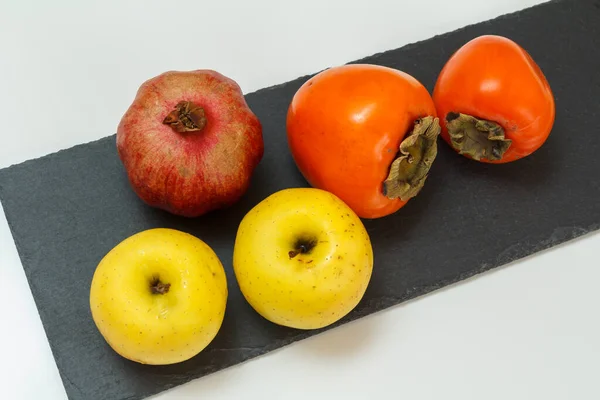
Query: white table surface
column 69, row 69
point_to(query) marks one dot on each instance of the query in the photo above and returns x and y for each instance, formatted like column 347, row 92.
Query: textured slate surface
column 66, row 210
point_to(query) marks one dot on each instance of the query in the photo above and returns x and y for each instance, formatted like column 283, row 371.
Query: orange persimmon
column 366, row 133
column 493, row 100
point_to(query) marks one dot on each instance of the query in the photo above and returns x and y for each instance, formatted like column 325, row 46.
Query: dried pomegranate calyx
column 186, row 117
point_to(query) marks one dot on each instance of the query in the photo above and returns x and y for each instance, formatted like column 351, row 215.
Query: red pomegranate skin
column 190, row 173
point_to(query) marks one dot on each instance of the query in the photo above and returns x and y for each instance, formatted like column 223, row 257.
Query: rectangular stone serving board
column 68, row 209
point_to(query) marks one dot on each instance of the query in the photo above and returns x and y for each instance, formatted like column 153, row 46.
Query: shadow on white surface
column 340, row 346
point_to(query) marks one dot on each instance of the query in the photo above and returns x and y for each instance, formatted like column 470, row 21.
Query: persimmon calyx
column 186, row 117
column 410, row 169
column 475, row 137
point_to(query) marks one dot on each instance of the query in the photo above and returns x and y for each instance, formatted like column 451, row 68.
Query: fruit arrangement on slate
column 363, row 136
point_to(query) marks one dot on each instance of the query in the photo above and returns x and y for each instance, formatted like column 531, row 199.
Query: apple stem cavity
column 157, row 287
column 410, row 169
column 186, row 117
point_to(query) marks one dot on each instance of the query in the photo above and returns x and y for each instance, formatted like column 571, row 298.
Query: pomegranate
column 189, row 142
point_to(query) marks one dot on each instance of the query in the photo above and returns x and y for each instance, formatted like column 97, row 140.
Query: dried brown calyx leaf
column 475, row 137
column 410, row 169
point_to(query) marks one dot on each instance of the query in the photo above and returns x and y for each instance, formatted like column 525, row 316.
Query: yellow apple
column 302, row 258
column 159, row 296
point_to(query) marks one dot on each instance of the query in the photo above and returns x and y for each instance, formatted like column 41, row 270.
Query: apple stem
column 186, row 117
column 477, row 138
column 157, row 287
column 302, row 246
column 410, row 169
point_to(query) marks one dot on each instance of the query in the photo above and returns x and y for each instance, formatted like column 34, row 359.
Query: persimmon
column 366, row 133
column 495, row 103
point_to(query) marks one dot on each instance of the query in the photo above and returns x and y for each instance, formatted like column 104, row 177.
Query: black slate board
column 67, row 209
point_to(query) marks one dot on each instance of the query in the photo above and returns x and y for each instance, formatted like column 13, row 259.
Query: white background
column 68, row 70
